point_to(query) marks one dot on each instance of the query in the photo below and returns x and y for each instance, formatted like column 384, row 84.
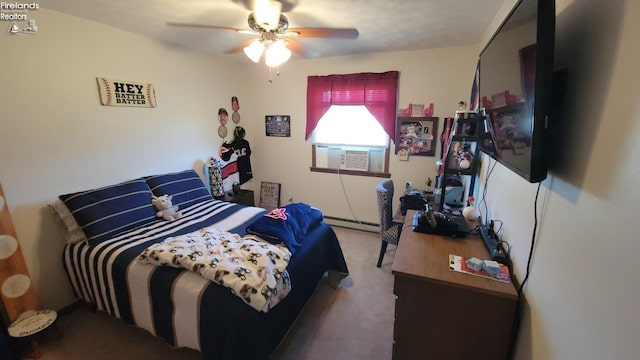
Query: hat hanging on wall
column 226, row 150
column 239, row 132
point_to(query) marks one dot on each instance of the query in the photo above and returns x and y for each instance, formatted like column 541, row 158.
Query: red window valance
column 377, row 91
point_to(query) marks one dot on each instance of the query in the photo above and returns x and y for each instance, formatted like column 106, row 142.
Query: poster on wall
column 126, row 93
column 416, row 136
column 278, row 125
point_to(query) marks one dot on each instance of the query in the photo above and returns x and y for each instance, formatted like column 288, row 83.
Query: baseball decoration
column 126, row 93
column 223, row 117
column 16, row 288
column 235, row 106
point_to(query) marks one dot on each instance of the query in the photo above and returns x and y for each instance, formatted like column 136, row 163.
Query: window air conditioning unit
column 354, row 160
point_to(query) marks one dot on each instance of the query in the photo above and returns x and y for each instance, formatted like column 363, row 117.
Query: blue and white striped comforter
column 109, row 276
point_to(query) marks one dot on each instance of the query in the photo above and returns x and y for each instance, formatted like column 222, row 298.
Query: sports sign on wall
column 126, row 93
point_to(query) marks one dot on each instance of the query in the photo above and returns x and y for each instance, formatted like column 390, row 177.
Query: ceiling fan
column 274, row 37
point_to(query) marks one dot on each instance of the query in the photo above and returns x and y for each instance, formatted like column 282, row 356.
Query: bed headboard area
column 98, row 214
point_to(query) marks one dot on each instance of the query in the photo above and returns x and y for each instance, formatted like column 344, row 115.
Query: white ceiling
column 384, row 25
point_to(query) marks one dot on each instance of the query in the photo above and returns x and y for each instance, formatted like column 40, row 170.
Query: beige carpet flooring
column 354, row 321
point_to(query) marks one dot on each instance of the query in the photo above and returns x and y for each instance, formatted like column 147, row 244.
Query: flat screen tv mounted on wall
column 515, row 89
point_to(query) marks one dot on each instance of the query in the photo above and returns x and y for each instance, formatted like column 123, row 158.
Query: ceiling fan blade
column 240, row 47
column 336, row 33
column 300, row 49
column 204, row 26
column 288, row 34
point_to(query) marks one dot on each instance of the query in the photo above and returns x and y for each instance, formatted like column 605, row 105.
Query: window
column 349, row 125
column 349, row 138
column 350, row 119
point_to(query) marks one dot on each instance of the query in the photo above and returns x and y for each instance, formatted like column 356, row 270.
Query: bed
column 109, row 228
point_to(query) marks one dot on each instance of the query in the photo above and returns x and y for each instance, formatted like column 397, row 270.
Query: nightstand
column 244, row 197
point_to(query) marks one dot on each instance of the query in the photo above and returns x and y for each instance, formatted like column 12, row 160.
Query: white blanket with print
column 251, row 268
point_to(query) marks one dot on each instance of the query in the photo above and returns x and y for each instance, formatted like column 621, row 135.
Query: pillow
column 185, row 187
column 74, row 233
column 106, row 212
column 289, row 224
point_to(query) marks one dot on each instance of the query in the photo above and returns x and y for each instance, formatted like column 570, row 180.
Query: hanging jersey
column 242, row 149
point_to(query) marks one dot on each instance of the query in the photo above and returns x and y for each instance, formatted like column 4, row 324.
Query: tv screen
column 515, row 84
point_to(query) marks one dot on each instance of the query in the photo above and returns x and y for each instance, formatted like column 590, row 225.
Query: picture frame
column 277, row 125
column 417, row 136
column 269, row 195
column 403, row 155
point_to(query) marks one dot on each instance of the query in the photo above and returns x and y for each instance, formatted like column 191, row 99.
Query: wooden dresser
column 443, row 314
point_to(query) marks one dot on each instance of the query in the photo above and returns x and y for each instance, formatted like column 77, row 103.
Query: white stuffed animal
column 166, row 209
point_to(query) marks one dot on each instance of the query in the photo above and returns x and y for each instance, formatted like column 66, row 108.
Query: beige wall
column 582, row 298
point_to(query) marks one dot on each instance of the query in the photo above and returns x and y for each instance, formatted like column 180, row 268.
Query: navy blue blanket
column 288, row 224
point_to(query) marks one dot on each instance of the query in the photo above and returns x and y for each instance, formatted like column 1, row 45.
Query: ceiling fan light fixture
column 267, row 13
column 276, row 54
column 254, row 50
